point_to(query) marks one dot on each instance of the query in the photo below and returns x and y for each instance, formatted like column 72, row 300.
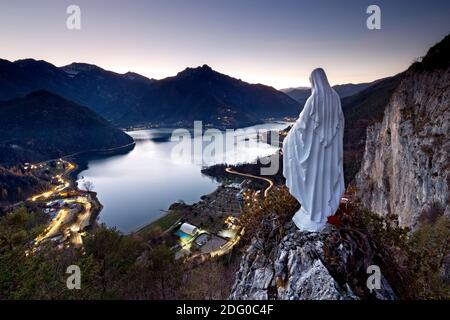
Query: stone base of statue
column 302, row 219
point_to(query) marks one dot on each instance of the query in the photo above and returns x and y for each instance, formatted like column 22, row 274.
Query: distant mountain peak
column 205, row 67
column 301, row 94
column 286, row 90
column 200, row 70
column 129, row 99
column 77, row 67
column 136, row 76
column 25, row 62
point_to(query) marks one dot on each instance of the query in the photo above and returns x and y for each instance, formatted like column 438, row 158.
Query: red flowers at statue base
column 334, row 220
column 344, row 209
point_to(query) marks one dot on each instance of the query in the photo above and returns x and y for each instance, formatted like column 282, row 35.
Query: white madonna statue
column 312, row 156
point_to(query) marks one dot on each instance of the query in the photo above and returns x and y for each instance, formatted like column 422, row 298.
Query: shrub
column 279, row 203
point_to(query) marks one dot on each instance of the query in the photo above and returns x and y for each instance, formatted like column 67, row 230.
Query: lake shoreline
column 208, row 126
column 226, row 179
column 158, row 179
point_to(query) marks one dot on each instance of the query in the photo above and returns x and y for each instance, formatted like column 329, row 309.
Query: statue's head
column 318, row 79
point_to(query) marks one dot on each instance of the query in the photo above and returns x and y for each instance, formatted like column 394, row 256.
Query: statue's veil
column 313, row 155
column 324, row 106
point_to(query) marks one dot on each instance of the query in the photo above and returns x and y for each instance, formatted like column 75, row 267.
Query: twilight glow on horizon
column 276, row 43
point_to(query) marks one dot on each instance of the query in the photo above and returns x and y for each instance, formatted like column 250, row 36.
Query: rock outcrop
column 405, row 171
column 295, row 268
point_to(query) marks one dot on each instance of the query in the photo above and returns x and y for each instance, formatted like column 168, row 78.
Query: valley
column 144, row 223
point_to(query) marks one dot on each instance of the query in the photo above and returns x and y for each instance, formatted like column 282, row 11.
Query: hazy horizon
column 268, row 42
column 306, row 86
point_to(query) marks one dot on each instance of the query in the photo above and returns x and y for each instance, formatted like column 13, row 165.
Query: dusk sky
column 277, row 43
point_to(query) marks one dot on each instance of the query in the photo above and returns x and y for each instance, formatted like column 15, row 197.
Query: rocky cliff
column 302, row 266
column 405, row 172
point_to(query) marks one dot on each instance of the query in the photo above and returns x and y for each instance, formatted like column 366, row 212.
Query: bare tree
column 88, row 186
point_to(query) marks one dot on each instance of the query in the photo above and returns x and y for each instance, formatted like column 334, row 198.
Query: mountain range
column 130, row 99
column 301, row 94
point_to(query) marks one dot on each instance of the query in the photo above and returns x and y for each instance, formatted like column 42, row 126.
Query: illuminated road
column 228, row 246
column 270, row 182
column 68, row 223
column 64, row 184
column 83, row 219
column 55, row 226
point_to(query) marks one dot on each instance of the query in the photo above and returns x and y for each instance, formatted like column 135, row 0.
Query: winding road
column 270, row 182
column 64, row 184
column 67, row 222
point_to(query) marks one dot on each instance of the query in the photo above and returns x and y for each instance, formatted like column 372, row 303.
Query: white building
column 189, row 229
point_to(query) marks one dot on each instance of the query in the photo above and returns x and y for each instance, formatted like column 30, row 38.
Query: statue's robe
column 313, row 156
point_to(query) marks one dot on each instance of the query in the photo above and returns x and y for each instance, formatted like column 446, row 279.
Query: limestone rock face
column 293, row 269
column 406, row 166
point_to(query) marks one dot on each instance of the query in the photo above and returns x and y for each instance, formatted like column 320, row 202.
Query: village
column 71, row 211
column 197, row 232
column 206, row 229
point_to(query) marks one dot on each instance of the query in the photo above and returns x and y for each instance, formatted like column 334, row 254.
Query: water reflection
column 135, row 188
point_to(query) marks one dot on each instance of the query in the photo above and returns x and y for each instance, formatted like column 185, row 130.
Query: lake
column 137, row 187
